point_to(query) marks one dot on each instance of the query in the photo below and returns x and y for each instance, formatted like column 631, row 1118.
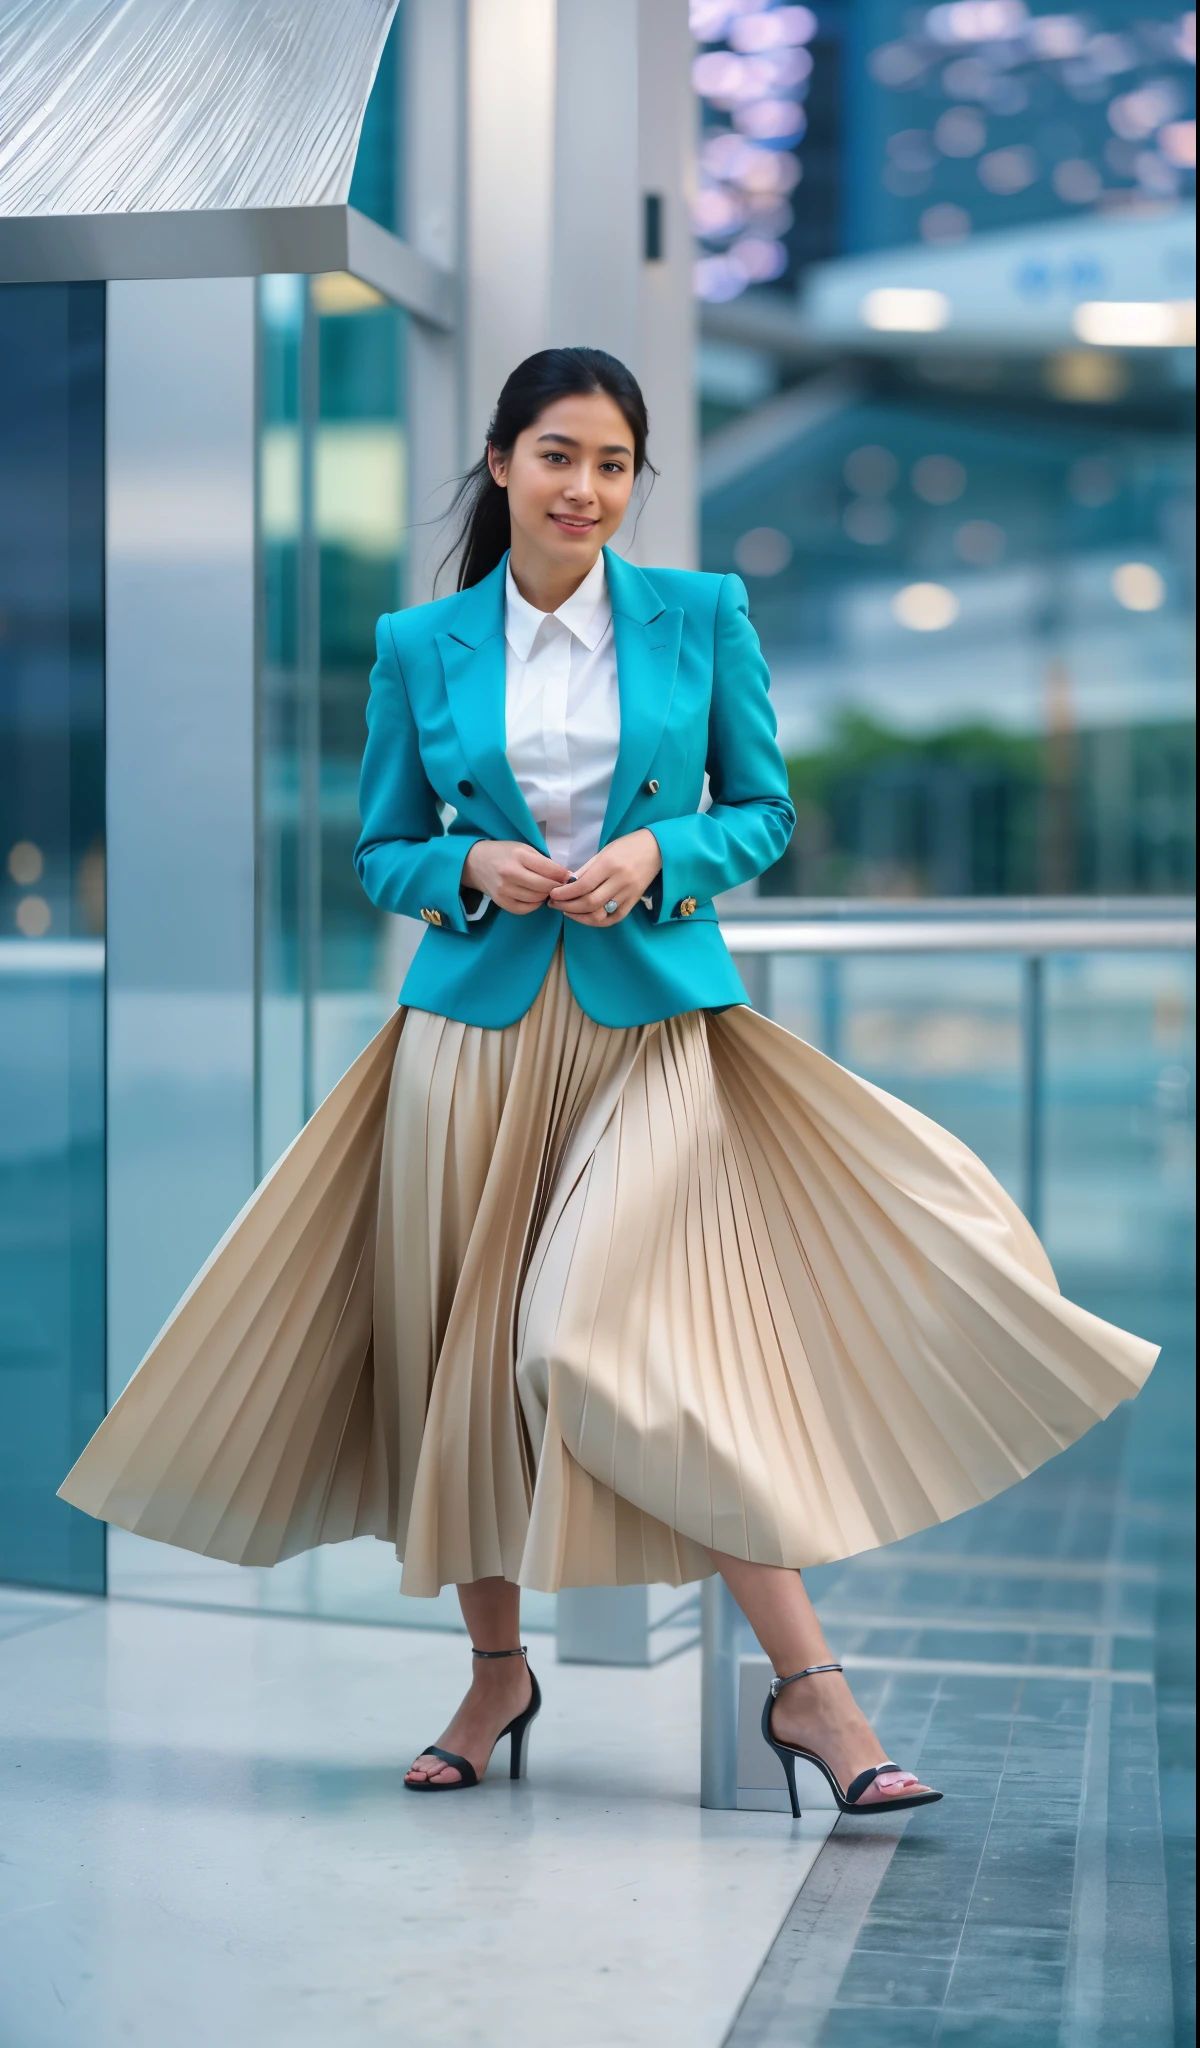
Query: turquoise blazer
column 693, row 688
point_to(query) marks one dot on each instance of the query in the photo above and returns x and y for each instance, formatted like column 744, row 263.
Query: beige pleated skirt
column 577, row 1305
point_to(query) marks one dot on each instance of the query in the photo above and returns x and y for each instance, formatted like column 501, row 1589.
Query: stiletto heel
column 517, row 1731
column 849, row 1800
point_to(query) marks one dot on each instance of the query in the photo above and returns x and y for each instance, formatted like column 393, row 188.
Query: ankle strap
column 777, row 1684
column 522, row 1652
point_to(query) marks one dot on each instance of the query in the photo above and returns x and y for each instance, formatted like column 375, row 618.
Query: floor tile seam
column 1008, row 1624
column 768, row 1952
column 1084, row 1999
column 979, row 1865
column 831, row 1845
column 969, row 1667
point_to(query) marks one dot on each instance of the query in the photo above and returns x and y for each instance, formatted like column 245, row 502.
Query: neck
column 543, row 582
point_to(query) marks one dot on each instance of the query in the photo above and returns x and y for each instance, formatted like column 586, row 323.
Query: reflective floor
column 1037, row 1658
column 206, row 1844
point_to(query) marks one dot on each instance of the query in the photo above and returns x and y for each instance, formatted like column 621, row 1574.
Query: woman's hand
column 514, row 875
column 621, row 872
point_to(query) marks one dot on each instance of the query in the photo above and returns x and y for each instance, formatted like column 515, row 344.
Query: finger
column 584, row 886
column 536, row 863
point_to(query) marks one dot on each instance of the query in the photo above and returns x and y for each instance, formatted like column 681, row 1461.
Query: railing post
column 718, row 1695
column 830, row 1002
column 1033, row 1047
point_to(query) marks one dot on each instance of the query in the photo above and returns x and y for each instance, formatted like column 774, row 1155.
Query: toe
column 431, row 1769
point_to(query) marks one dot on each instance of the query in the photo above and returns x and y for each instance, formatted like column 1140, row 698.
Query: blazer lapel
column 473, row 665
column 646, row 637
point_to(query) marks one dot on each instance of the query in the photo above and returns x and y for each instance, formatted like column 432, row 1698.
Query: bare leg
column 819, row 1713
column 491, row 1609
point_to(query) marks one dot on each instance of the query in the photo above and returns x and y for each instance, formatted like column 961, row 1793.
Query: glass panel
column 942, row 1032
column 1120, row 1141
column 333, row 511
column 52, row 913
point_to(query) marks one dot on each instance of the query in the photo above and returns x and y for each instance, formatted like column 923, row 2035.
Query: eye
column 555, row 455
column 617, row 468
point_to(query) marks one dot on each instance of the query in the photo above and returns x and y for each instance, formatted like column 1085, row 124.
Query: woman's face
column 569, row 478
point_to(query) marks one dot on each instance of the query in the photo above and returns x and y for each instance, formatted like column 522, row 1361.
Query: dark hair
column 484, row 531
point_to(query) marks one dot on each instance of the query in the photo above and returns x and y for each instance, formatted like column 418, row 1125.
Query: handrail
column 766, row 925
column 51, row 958
column 1025, row 935
column 1028, row 925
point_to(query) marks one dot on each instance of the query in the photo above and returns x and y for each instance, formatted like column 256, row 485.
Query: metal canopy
column 193, row 138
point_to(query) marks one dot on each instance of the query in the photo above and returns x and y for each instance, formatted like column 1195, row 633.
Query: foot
column 500, row 1689
column 822, row 1714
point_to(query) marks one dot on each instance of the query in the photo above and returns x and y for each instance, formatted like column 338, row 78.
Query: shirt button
column 466, row 789
column 652, row 787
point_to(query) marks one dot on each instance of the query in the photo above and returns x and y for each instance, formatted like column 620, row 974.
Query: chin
column 592, row 538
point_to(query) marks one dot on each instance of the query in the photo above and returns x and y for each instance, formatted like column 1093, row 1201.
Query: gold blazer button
column 652, row 787
column 432, row 916
column 687, row 907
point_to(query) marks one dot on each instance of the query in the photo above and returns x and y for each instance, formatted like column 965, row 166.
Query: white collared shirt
column 562, row 712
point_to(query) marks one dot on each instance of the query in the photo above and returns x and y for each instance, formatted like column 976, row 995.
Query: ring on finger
column 611, row 907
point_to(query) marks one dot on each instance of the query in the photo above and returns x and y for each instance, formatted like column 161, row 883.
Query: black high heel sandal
column 849, row 1800
column 517, row 1732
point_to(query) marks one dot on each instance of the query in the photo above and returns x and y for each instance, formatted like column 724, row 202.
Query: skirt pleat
column 578, row 1306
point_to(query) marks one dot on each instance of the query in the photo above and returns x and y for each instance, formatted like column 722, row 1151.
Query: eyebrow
column 569, row 441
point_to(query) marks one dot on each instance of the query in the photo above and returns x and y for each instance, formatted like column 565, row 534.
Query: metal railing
column 764, row 929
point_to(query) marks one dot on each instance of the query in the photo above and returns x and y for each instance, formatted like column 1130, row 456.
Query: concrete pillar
column 578, row 111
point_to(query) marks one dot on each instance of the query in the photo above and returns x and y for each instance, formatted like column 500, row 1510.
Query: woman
column 585, row 1274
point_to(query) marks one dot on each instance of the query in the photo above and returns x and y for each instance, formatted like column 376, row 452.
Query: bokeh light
column 1139, row 587
column 25, row 863
column 872, row 471
column 925, row 607
column 33, row 918
column 901, row 310
column 939, row 479
column 763, row 551
column 980, row 542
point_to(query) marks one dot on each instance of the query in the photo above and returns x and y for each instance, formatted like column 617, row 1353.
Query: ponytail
column 484, row 531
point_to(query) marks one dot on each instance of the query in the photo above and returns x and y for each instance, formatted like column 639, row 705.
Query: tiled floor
column 205, row 1844
column 1036, row 1655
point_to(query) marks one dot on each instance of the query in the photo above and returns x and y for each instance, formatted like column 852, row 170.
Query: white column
column 577, row 109
column 180, row 592
column 511, row 59
column 668, row 530
column 597, row 197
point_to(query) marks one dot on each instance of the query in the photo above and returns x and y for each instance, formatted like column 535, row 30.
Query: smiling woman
column 584, row 1275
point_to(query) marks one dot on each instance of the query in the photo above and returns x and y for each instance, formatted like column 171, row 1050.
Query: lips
column 573, row 525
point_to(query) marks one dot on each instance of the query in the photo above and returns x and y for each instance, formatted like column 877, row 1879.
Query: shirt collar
column 587, row 613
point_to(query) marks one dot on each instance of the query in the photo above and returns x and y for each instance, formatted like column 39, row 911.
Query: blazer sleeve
column 407, row 862
column 752, row 816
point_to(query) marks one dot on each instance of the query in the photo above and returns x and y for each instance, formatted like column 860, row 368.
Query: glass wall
column 333, row 510
column 51, row 923
column 971, row 564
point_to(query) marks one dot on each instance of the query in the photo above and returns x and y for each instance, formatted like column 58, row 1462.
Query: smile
column 572, row 525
